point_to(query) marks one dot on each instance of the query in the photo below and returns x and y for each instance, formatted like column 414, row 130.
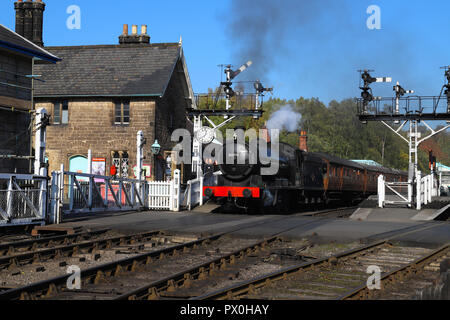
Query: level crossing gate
column 73, row 192
column 23, row 199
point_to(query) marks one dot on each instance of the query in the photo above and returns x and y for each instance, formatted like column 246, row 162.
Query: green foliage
column 336, row 130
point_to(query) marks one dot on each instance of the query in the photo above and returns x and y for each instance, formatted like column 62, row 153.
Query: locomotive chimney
column 265, row 134
column 303, row 144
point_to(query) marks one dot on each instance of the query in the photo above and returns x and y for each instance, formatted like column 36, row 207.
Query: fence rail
column 426, row 189
column 73, row 192
column 23, row 199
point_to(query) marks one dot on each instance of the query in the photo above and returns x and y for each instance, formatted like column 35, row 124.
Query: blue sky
column 308, row 50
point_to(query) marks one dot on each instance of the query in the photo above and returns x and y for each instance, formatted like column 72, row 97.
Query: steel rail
column 11, row 261
column 153, row 290
column 363, row 292
column 50, row 287
column 67, row 250
column 249, row 286
column 9, row 248
column 321, row 212
column 184, row 278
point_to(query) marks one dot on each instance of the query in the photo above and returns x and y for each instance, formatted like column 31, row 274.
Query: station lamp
column 156, row 148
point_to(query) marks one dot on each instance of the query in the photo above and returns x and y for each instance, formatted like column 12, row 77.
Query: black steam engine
column 302, row 178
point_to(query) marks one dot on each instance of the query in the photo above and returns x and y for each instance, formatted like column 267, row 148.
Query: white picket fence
column 426, row 189
column 165, row 195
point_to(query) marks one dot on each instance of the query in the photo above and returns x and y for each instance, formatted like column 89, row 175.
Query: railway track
column 343, row 275
column 17, row 261
column 330, row 213
column 14, row 247
column 51, row 287
column 194, row 269
column 422, row 270
column 36, row 255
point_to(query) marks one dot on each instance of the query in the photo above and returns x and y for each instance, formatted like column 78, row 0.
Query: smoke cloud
column 285, row 118
column 313, row 48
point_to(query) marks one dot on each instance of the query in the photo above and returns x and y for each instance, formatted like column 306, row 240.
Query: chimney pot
column 134, row 37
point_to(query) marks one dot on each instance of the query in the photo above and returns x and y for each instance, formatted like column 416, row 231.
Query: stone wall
column 171, row 115
column 91, row 126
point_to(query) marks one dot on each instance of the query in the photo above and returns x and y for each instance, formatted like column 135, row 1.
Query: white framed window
column 122, row 112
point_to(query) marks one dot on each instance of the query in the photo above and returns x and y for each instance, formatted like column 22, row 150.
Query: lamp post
column 155, row 148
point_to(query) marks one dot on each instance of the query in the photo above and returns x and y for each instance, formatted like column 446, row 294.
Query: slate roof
column 15, row 42
column 109, row 70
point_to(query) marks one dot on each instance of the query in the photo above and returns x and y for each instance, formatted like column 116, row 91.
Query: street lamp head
column 156, row 148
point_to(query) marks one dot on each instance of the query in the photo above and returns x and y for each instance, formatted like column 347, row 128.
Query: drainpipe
column 32, row 116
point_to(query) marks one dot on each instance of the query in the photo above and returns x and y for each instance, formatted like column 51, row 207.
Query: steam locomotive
column 303, row 178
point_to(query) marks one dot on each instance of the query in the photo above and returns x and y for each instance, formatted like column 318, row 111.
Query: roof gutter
column 28, row 52
column 157, row 95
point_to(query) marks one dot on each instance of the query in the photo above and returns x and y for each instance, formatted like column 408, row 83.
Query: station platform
column 317, row 229
column 437, row 210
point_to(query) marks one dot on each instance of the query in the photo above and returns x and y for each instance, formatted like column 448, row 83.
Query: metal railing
column 426, row 189
column 23, row 199
column 212, row 100
column 73, row 192
column 395, row 190
column 407, row 105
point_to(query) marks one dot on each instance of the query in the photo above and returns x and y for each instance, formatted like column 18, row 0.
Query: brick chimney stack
column 134, row 37
column 303, row 144
column 30, row 20
column 20, row 16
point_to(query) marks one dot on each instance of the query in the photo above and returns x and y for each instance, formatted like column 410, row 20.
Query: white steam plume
column 285, row 118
